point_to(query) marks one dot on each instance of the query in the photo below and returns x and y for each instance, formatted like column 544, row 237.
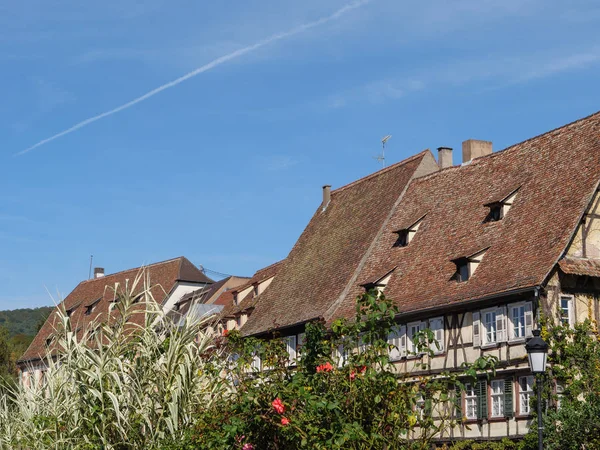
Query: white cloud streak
column 211, row 65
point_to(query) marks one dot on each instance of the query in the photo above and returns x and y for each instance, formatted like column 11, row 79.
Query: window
column 70, row 312
column 48, row 342
column 470, row 401
column 518, row 321
column 436, row 325
column 521, row 321
column 525, row 394
column 407, row 235
column 290, row 345
column 497, row 395
column 235, row 298
column 380, row 284
column 255, row 289
column 89, row 309
column 413, row 341
column 466, row 266
column 566, row 310
column 489, row 326
column 397, row 342
column 420, row 406
column 495, row 213
column 489, row 323
column 498, row 210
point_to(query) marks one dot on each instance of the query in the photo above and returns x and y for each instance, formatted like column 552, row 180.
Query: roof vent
column 474, row 148
column 98, row 272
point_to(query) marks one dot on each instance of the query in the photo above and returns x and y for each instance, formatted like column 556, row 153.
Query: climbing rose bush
column 325, row 402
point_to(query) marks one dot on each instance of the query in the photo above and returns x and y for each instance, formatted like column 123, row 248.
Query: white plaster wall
column 181, row 288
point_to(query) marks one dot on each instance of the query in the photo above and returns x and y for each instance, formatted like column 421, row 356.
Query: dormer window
column 466, row 266
column 89, row 309
column 235, row 298
column 498, row 210
column 406, row 235
column 380, row 284
column 255, row 289
column 70, row 312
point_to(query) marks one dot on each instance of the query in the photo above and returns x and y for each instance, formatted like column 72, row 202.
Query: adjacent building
column 92, row 301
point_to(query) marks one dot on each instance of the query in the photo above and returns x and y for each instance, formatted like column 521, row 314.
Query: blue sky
column 226, row 167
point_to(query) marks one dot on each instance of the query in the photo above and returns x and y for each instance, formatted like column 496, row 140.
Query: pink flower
column 285, row 421
column 327, row 367
column 352, row 375
column 278, row 406
column 248, row 447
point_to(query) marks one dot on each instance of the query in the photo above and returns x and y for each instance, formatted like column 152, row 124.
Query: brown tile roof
column 330, row 250
column 163, row 277
column 249, row 301
column 580, row 266
column 557, row 174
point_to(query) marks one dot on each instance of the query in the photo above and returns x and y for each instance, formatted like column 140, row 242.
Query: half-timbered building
column 477, row 252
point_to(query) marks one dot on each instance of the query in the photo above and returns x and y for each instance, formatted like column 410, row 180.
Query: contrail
column 217, row 62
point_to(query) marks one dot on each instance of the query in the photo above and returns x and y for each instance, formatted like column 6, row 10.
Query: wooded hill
column 24, row 321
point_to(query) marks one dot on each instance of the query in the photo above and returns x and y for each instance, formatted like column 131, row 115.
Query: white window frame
column 411, row 349
column 525, row 395
column 470, row 400
column 497, row 398
column 570, row 311
column 527, row 316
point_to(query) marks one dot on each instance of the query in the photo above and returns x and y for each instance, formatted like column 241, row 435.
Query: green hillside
column 23, row 321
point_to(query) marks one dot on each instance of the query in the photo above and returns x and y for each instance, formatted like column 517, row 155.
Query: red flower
column 352, row 375
column 225, row 332
column 285, row 421
column 278, row 406
column 363, row 369
column 327, row 367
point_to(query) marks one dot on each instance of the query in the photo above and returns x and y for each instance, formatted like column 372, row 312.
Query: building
column 238, row 303
column 477, row 252
column 92, row 300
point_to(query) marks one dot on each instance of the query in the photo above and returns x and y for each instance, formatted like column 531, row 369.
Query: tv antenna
column 381, row 157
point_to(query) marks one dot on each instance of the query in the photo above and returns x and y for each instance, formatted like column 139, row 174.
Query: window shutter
column 528, row 320
column 482, row 411
column 476, row 330
column 501, row 324
column 394, row 342
column 402, row 340
column 422, row 326
column 508, row 398
column 457, row 402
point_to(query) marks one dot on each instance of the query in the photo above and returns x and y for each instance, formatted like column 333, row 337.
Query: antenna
column 381, row 157
column 90, row 272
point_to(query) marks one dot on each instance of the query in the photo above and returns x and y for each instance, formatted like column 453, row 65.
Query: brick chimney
column 474, row 148
column 98, row 272
column 326, row 196
column 444, row 157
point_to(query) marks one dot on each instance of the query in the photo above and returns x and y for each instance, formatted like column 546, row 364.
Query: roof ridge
column 134, row 269
column 481, row 159
column 266, row 267
column 382, row 171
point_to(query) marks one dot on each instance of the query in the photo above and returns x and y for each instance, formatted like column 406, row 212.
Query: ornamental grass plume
column 116, row 385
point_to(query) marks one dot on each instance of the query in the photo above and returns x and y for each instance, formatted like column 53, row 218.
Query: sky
column 214, row 125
